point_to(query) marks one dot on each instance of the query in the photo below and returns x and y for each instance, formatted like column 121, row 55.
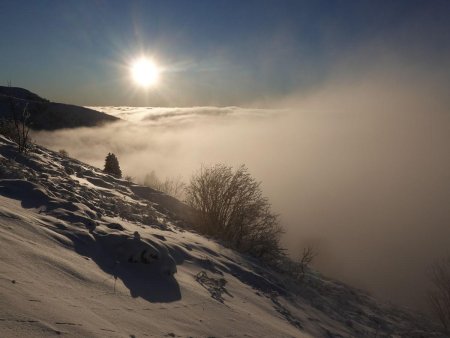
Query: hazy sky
column 214, row 52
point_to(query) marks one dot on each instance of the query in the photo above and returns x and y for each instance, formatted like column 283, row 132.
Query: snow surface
column 85, row 254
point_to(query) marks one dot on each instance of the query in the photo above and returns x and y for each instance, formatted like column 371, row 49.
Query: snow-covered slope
column 85, row 254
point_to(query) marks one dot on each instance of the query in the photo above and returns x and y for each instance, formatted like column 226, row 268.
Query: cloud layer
column 359, row 166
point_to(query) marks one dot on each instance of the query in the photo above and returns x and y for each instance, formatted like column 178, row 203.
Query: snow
column 85, row 254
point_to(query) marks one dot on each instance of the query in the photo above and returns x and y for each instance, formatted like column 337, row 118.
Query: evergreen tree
column 112, row 166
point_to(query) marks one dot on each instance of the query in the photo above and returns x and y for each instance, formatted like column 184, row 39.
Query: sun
column 145, row 72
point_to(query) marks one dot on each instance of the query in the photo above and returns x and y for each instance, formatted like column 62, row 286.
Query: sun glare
column 145, row 72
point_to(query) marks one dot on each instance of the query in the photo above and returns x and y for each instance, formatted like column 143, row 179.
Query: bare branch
column 306, row 258
column 439, row 297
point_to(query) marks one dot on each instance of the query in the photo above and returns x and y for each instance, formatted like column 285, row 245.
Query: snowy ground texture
column 84, row 254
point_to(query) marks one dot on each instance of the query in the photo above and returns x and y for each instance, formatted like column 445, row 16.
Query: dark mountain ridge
column 47, row 115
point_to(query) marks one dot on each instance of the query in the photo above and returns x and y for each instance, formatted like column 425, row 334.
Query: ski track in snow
column 85, row 254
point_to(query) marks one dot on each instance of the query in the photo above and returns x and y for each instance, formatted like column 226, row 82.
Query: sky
column 213, row 52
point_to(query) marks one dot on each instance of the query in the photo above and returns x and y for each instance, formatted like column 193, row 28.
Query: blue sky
column 214, row 52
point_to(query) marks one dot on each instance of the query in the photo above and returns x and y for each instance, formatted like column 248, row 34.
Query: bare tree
column 306, row 258
column 440, row 295
column 230, row 206
column 18, row 127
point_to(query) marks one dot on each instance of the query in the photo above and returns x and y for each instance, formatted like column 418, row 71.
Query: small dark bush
column 112, row 166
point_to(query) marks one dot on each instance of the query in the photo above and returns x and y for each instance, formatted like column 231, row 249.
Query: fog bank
column 359, row 166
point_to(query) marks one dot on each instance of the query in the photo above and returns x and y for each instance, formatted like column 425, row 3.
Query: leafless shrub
column 230, row 206
column 439, row 296
column 17, row 128
column 306, row 258
column 171, row 186
column 129, row 178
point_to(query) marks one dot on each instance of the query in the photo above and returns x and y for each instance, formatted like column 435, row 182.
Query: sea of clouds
column 359, row 167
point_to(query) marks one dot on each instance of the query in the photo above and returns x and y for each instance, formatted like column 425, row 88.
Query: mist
column 358, row 166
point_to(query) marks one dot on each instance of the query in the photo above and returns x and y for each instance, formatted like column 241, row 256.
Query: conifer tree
column 112, row 166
